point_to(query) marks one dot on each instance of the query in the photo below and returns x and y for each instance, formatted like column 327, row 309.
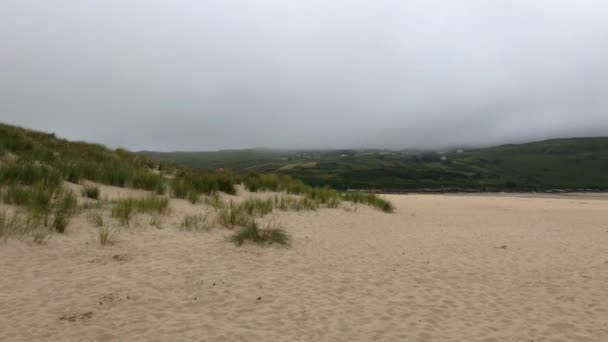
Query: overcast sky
column 212, row 74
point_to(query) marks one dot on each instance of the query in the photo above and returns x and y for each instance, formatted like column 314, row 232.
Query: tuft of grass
column 328, row 197
column 161, row 188
column 293, row 203
column 266, row 236
column 61, row 221
column 214, row 200
column 124, row 209
column 202, row 182
column 67, row 203
column 106, row 236
column 193, row 197
column 323, row 196
column 28, row 172
column 65, row 207
column 40, row 200
column 96, row 217
column 333, row 202
column 152, row 204
column 91, row 191
column 369, row 199
column 257, row 206
column 233, row 215
column 197, row 222
column 179, row 188
column 17, row 226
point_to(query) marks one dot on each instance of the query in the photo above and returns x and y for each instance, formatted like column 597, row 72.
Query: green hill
column 565, row 164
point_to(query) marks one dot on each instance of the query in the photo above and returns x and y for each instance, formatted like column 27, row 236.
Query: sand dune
column 441, row 268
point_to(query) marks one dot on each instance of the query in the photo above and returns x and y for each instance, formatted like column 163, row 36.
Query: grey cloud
column 201, row 75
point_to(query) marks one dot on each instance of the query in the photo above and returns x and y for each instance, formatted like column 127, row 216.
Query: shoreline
column 567, row 195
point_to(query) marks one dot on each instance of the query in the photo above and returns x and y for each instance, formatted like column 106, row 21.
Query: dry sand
column 432, row 271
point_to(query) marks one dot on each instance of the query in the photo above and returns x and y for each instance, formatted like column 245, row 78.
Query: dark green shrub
column 91, row 191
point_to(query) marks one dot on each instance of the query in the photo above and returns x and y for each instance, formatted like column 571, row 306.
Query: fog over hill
column 206, row 75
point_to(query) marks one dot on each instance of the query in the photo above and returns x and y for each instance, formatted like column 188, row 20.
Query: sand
column 441, row 268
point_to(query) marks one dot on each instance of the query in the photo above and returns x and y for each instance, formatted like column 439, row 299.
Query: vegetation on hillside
column 35, row 166
column 565, row 164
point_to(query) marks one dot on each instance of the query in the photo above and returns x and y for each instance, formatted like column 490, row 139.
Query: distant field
column 570, row 164
column 296, row 165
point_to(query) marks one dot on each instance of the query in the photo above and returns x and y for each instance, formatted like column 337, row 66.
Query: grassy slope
column 34, row 166
column 578, row 163
column 31, row 160
column 29, row 157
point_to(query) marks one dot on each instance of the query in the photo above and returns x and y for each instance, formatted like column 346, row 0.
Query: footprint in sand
column 120, row 258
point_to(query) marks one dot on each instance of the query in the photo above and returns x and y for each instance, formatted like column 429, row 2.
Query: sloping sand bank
column 441, row 268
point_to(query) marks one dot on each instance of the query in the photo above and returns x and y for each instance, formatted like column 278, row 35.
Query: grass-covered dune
column 36, row 169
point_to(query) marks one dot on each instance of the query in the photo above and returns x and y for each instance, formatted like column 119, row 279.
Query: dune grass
column 152, row 204
column 369, row 199
column 17, row 194
column 67, row 202
column 95, row 217
column 40, row 200
column 286, row 203
column 323, row 196
column 189, row 184
column 214, row 200
column 257, row 206
column 60, row 221
column 34, row 165
column 124, row 209
column 197, row 222
column 243, row 213
column 64, row 208
column 266, row 236
column 44, row 202
column 233, row 214
column 17, row 225
column 193, row 197
column 39, row 157
column 106, row 236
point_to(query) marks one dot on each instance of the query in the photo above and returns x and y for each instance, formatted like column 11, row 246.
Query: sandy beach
column 440, row 268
